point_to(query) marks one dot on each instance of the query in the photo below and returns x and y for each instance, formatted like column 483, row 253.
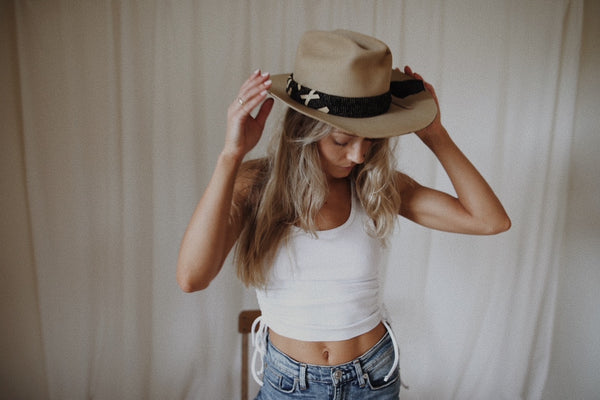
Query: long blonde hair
column 289, row 187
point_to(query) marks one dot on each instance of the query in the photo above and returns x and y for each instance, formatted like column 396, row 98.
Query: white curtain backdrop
column 117, row 112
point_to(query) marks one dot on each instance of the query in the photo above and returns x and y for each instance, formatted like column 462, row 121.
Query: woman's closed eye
column 340, row 143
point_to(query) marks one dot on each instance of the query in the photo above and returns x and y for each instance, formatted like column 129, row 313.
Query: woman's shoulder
column 405, row 183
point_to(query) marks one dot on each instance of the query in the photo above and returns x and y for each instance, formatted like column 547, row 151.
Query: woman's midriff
column 328, row 353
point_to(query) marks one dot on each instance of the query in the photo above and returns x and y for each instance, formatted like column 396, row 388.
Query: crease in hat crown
column 343, row 63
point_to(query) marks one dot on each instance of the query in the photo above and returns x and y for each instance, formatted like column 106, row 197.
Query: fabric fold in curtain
column 124, row 110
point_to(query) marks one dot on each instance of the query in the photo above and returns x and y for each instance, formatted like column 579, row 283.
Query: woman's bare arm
column 474, row 210
column 214, row 227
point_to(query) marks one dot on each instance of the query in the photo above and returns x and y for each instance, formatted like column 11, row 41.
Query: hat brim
column 404, row 115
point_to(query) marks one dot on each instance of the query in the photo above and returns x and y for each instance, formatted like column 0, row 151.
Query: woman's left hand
column 435, row 127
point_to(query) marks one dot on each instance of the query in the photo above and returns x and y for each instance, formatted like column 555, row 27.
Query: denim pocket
column 376, row 372
column 376, row 380
column 279, row 381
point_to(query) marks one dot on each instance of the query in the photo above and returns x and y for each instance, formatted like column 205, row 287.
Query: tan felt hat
column 345, row 79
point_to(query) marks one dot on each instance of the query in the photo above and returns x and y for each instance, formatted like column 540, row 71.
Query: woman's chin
column 340, row 173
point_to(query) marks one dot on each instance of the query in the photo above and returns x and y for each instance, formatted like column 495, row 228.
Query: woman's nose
column 357, row 152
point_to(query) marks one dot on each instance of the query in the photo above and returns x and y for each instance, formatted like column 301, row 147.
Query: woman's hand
column 244, row 131
column 435, row 127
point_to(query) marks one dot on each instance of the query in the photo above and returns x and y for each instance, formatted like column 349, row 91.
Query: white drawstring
column 396, row 352
column 259, row 342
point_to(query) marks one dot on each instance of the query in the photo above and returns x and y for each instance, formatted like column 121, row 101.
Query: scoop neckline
column 328, row 232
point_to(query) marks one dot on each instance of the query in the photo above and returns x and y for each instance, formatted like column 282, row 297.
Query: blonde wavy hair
column 289, row 187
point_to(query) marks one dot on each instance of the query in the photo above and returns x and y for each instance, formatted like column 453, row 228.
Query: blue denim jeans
column 362, row 378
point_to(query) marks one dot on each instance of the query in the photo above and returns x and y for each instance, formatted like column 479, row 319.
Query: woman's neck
column 338, row 187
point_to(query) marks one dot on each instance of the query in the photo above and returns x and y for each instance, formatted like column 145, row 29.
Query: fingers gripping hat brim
column 405, row 115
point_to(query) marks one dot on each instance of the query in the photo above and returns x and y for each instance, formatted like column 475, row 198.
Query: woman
column 311, row 219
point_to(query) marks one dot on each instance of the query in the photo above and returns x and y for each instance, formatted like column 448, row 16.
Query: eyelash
column 370, row 141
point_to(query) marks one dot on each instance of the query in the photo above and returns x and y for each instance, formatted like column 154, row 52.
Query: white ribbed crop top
column 325, row 288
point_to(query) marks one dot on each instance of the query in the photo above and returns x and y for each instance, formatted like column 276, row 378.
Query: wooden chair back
column 245, row 320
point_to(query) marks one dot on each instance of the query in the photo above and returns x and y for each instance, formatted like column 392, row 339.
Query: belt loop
column 359, row 373
column 302, row 377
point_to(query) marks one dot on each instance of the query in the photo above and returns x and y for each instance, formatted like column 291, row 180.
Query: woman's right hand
column 244, row 131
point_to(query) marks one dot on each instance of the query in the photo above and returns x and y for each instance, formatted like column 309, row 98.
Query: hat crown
column 343, row 63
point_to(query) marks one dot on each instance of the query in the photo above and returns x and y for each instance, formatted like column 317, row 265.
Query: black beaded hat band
column 351, row 107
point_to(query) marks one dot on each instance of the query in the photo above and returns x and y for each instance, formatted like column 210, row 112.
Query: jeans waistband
column 335, row 374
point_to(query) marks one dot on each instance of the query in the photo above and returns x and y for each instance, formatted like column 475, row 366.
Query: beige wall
column 574, row 371
column 22, row 370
